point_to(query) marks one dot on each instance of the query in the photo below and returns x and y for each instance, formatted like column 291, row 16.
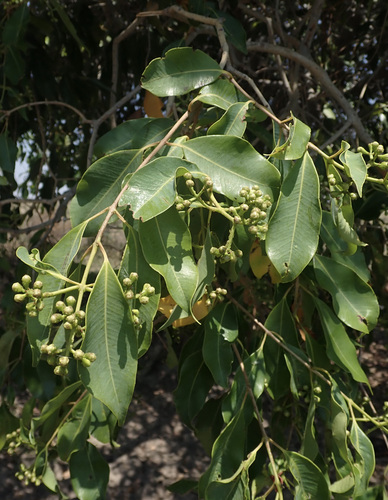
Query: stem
column 267, row 441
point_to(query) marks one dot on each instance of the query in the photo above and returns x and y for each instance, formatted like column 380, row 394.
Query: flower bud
column 63, row 360
column 71, row 301
column 17, row 288
column 68, row 310
column 26, row 280
column 144, row 299
column 60, row 305
column 86, row 362
column 56, row 318
column 90, row 356
column 20, row 297
column 78, row 354
column 38, row 285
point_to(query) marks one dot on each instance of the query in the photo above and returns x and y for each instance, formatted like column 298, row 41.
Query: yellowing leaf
column 260, row 264
column 153, row 105
column 200, row 310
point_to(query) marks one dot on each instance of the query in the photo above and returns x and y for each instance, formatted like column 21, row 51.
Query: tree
column 245, row 226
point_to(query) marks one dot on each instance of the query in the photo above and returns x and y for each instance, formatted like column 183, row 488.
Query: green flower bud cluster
column 14, row 441
column 253, row 211
column 225, row 254
column 216, row 295
column 377, row 157
column 73, row 321
column 24, row 291
column 28, row 476
column 143, row 297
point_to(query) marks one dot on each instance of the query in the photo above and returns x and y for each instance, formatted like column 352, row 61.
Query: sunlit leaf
column 180, row 71
column 89, row 473
column 311, row 481
column 232, row 122
column 293, row 233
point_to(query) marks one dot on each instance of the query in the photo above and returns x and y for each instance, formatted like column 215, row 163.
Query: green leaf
column 310, row 447
column 8, row 152
column 298, row 139
column 6, row 342
column 13, row 29
column 339, row 347
column 179, row 72
column 208, row 424
column 61, row 11
column 221, row 93
column 233, row 490
column 74, row 432
column 228, row 452
column 221, row 328
column 133, row 134
column 100, row 422
column 280, row 320
column 232, row 121
column 54, row 404
column 355, row 166
column 311, row 481
column 151, row 190
column 89, row 473
column 293, row 232
column 346, row 230
column 33, row 260
column 194, row 383
column 219, row 157
column 167, row 247
column 110, row 334
column 353, row 300
column 365, row 458
column 100, row 186
column 61, row 255
column 339, row 249
column 256, row 372
column 133, row 261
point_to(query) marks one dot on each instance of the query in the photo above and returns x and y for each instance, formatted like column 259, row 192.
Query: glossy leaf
column 100, row 186
column 167, row 247
column 338, row 248
column 355, row 166
column 89, row 473
column 110, row 334
column 221, row 328
column 339, row 347
column 221, row 93
column 151, row 190
column 133, row 134
column 232, row 122
column 220, row 158
column 179, row 72
column 74, row 433
column 353, row 300
column 194, row 383
column 61, row 256
column 133, row 261
column 311, row 481
column 293, row 233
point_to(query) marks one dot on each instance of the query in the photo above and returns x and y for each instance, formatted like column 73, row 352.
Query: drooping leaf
column 151, row 190
column 100, row 186
column 311, row 481
column 89, row 473
column 232, row 121
column 179, row 72
column 220, row 158
column 355, row 166
column 133, row 134
column 339, row 248
column 353, row 300
column 167, row 247
column 8, row 151
column 293, row 232
column 221, row 328
column 299, row 137
column 15, row 25
column 111, row 335
column 228, row 452
column 346, row 231
column 133, row 261
column 280, row 320
column 194, row 383
column 339, row 347
column 310, row 447
column 255, row 370
column 365, row 458
column 74, row 433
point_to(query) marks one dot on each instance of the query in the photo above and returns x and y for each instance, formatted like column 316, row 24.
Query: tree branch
column 322, row 77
